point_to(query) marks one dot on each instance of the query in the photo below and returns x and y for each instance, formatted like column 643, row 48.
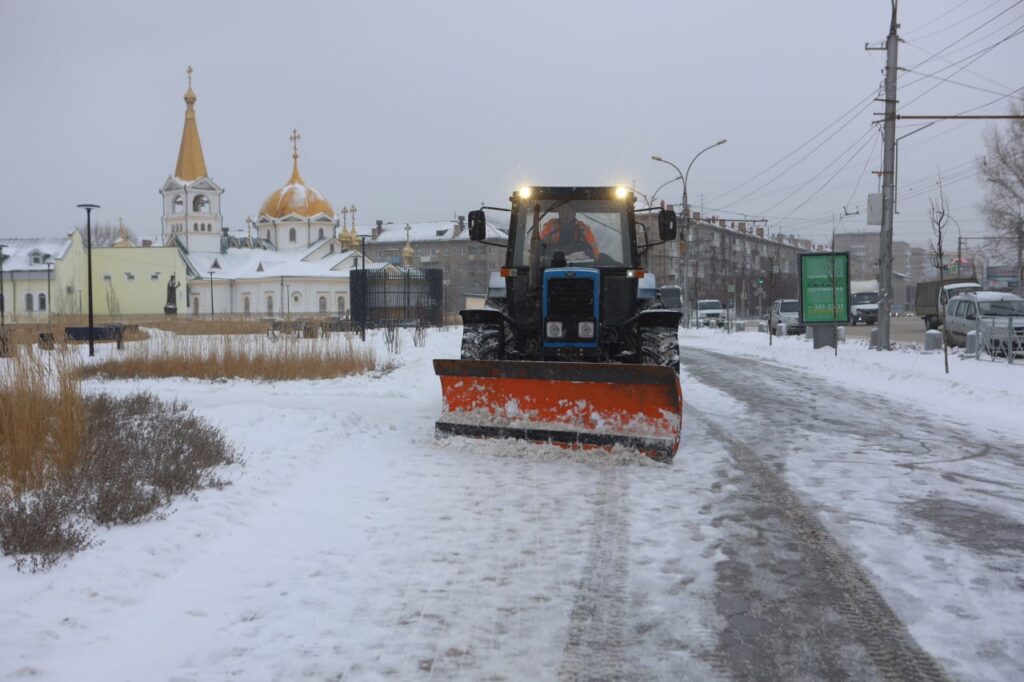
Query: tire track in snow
column 597, row 646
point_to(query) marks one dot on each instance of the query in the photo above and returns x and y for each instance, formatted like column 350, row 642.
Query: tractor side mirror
column 666, row 225
column 477, row 226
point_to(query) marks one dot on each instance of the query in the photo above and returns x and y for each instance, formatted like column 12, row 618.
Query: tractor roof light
column 524, row 192
column 621, row 192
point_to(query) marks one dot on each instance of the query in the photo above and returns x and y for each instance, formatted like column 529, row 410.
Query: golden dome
column 296, row 197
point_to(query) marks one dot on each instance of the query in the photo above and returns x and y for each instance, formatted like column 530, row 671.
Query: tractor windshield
column 588, row 232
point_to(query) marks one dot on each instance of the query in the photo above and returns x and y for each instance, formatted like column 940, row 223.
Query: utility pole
column 888, row 182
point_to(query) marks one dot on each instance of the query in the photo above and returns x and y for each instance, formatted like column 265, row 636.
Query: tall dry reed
column 232, row 357
column 42, row 416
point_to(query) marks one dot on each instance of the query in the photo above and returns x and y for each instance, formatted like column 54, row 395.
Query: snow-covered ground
column 353, row 545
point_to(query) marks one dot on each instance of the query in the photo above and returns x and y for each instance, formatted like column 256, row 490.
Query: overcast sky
column 420, row 111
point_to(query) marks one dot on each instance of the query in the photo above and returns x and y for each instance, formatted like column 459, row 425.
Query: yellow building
column 127, row 280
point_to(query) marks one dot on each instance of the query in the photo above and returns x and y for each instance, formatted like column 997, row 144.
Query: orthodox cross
column 353, row 212
column 344, row 217
column 408, row 229
column 295, row 137
column 189, row 72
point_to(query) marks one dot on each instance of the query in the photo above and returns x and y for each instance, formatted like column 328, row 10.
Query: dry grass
column 69, row 461
column 256, row 358
column 42, row 422
column 186, row 326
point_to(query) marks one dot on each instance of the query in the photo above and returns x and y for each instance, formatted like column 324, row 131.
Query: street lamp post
column 3, row 299
column 366, row 289
column 49, row 297
column 88, row 236
column 685, row 232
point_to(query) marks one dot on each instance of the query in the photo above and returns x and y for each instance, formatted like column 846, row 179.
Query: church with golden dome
column 293, row 258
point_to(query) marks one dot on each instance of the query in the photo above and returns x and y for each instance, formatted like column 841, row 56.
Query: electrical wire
column 866, row 101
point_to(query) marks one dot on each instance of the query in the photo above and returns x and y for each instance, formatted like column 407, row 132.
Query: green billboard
column 824, row 288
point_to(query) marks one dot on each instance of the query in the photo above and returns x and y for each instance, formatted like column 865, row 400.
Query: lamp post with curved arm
column 685, row 232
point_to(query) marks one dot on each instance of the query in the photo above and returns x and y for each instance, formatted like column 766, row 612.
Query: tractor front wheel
column 660, row 346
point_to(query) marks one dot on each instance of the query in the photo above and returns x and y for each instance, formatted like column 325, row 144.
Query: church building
column 288, row 260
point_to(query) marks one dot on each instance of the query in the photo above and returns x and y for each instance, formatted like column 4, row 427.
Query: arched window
column 245, row 305
column 42, row 302
column 179, row 205
column 201, row 204
column 29, row 300
column 341, row 306
column 291, row 234
column 270, row 305
column 195, row 305
column 268, row 235
column 323, row 305
column 321, row 233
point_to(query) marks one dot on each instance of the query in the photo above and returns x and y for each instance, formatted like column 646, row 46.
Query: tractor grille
column 571, row 297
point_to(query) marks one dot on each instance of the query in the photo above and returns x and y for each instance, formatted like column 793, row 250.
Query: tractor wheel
column 482, row 342
column 660, row 346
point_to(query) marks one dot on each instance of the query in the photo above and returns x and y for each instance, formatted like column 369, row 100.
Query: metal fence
column 393, row 297
column 999, row 340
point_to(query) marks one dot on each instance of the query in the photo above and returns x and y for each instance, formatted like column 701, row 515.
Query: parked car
column 988, row 311
column 785, row 311
column 710, row 313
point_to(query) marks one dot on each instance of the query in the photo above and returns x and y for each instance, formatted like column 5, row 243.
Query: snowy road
column 797, row 530
column 857, row 514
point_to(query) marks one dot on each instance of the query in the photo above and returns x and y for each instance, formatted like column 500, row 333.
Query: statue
column 171, row 307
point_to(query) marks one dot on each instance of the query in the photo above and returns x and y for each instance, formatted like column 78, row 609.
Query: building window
column 155, row 276
column 291, row 234
column 201, row 204
column 129, row 276
column 322, row 305
column 268, row 235
column 341, row 306
column 195, row 305
column 245, row 305
column 29, row 303
column 270, row 305
column 107, row 277
column 42, row 302
column 37, row 259
column 321, row 233
column 179, row 205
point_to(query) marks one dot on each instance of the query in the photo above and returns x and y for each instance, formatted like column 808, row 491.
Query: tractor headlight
column 524, row 192
column 555, row 330
column 621, row 192
column 586, row 330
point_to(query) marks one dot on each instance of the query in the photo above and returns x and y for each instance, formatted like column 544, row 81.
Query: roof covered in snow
column 33, row 253
column 440, row 230
column 257, row 263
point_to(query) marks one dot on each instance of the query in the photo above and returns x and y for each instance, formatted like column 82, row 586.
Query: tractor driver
column 569, row 235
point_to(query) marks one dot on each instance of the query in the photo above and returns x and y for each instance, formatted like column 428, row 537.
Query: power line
column 866, row 101
column 947, row 13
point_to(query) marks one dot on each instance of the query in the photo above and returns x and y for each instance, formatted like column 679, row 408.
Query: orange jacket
column 552, row 233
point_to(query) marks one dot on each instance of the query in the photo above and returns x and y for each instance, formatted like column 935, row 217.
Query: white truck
column 864, row 301
column 710, row 313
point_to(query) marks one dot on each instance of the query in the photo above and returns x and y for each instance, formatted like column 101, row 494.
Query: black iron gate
column 388, row 297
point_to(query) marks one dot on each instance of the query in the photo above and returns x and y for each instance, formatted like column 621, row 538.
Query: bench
column 107, row 332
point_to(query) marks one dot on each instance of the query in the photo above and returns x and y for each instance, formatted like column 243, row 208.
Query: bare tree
column 938, row 214
column 105, row 234
column 1002, row 167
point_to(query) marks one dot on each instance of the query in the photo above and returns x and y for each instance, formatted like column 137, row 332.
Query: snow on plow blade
column 575, row 404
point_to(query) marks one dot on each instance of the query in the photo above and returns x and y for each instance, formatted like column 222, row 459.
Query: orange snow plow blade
column 574, row 404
